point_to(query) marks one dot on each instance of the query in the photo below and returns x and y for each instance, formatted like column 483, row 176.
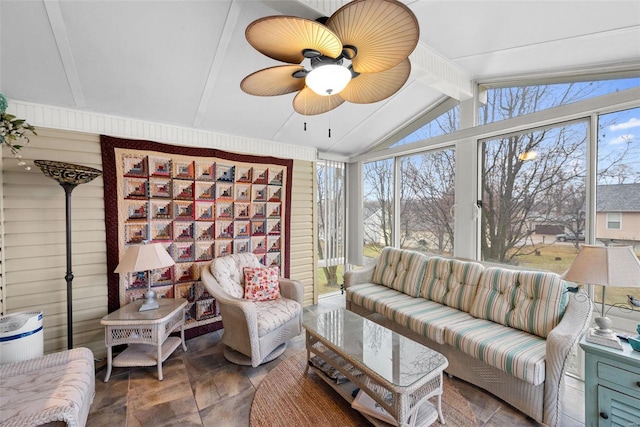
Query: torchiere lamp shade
column 67, row 173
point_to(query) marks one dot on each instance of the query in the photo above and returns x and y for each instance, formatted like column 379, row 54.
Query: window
column 508, row 102
column 446, row 122
column 427, row 196
column 614, row 221
column 378, row 207
column 331, row 225
column 618, row 192
column 533, row 181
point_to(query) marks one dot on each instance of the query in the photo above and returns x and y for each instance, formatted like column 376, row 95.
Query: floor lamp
column 68, row 176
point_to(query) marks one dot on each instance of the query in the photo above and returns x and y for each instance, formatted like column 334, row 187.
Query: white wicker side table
column 146, row 333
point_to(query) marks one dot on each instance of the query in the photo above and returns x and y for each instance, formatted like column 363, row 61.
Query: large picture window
column 508, row 102
column 377, row 221
column 617, row 215
column 533, row 197
column 427, row 201
column 330, row 178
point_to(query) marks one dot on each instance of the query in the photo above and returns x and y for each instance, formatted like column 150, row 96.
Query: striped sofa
column 510, row 332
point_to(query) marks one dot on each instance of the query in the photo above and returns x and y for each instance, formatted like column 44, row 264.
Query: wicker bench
column 55, row 389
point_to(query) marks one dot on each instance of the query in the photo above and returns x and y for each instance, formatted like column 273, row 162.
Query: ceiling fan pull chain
column 329, row 115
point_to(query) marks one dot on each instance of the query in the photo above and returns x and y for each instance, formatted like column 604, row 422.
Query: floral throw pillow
column 261, row 284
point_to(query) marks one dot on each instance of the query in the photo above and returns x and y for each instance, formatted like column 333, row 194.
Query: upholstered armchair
column 255, row 332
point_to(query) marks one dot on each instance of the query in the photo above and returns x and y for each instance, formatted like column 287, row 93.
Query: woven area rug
column 289, row 398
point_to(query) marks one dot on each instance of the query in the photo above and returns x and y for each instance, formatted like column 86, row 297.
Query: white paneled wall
column 34, row 247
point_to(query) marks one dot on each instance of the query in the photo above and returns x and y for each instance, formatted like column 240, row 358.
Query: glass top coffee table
column 396, row 372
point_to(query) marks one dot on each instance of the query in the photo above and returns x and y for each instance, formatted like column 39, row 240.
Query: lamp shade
column 328, row 79
column 605, row 266
column 143, row 258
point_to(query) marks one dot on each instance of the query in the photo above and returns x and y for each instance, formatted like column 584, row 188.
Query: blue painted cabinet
column 612, row 385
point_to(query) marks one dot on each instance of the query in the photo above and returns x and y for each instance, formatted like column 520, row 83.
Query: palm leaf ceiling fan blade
column 273, row 81
column 283, row 38
column 384, row 32
column 374, row 87
column 309, row 103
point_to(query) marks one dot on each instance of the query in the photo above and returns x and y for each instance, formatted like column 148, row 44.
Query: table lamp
column 605, row 266
column 145, row 258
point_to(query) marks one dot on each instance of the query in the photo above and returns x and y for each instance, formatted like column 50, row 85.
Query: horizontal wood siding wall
column 34, row 239
column 303, row 257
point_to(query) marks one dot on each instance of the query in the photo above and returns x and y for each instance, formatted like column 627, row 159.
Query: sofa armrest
column 560, row 342
column 357, row 277
column 292, row 289
column 239, row 315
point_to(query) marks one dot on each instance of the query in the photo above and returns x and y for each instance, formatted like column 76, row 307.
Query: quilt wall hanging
column 200, row 204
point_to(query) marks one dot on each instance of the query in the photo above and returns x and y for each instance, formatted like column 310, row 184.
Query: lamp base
column 597, row 336
column 150, row 301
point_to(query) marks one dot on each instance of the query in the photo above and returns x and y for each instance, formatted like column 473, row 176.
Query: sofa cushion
column 401, row 270
column 228, row 271
column 513, row 351
column 426, row 318
column 373, row 297
column 531, row 301
column 273, row 314
column 451, row 282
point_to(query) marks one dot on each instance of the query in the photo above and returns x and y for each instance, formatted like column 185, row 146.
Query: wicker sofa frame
column 542, row 402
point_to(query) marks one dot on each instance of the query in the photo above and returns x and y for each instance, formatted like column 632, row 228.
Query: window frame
column 619, row 221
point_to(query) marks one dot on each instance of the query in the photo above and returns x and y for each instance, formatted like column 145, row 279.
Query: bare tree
column 429, row 198
column 378, row 196
column 518, row 191
column 330, row 200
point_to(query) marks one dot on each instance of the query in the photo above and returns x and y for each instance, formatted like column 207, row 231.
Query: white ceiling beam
column 64, row 49
column 218, row 60
column 441, row 74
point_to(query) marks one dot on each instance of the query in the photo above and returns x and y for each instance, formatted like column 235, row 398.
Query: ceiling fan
column 359, row 54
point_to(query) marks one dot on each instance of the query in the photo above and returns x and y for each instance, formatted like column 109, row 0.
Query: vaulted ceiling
column 181, row 62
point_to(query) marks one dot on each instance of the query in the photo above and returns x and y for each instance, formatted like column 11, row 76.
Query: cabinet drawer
column 627, row 380
column 617, row 409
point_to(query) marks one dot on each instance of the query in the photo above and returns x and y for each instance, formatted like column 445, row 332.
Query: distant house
column 618, row 213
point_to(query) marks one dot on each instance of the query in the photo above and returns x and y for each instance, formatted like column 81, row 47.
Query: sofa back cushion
column 401, row 270
column 451, row 282
column 531, row 301
column 228, row 272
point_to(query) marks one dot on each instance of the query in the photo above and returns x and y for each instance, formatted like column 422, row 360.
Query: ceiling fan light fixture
column 328, row 79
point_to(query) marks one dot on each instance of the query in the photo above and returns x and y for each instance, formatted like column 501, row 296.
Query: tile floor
column 200, row 388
